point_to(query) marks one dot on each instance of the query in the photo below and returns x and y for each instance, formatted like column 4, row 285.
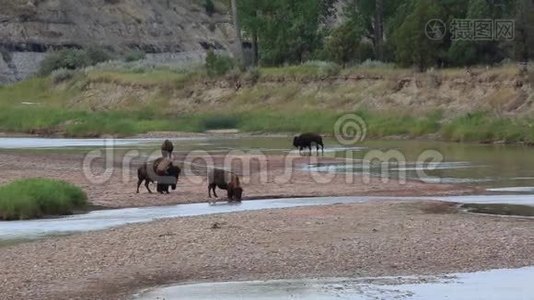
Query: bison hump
column 161, row 165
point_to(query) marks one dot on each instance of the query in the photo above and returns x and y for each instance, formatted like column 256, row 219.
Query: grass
column 481, row 127
column 164, row 99
column 142, row 78
column 34, row 198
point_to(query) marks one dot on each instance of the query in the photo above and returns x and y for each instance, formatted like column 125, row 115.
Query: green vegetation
column 217, row 65
column 34, row 198
column 73, row 59
column 209, row 6
column 500, row 209
column 293, row 32
column 125, row 100
column 134, row 55
column 482, row 127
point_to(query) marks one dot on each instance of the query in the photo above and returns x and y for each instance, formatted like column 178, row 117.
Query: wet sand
column 263, row 181
column 349, row 240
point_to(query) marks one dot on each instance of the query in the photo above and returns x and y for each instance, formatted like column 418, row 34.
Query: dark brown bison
column 227, row 181
column 166, row 149
column 306, row 140
column 161, row 171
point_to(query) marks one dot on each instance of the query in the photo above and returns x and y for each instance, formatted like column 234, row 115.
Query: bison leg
column 211, row 187
column 146, row 185
column 230, row 194
column 214, row 193
column 139, row 184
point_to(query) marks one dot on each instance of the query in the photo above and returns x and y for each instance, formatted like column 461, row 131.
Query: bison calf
column 306, row 140
column 161, row 171
column 227, row 181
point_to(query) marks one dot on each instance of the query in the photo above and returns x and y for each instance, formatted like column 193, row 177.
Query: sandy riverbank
column 266, row 180
column 369, row 239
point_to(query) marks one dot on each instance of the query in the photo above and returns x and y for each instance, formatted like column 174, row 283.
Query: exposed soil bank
column 377, row 239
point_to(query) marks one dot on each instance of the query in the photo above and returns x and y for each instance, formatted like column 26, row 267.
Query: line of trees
column 289, row 32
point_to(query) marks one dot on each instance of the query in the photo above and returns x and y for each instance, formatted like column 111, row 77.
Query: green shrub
column 33, row 198
column 219, row 122
column 72, row 59
column 330, row 69
column 134, row 55
column 209, row 7
column 217, row 65
column 61, row 75
column 5, row 54
column 98, row 54
column 252, row 75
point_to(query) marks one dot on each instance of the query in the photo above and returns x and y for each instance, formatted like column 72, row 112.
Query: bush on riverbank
column 34, row 198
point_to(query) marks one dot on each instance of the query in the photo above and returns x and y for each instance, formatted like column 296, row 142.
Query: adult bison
column 166, row 149
column 161, row 171
column 227, row 181
column 306, row 140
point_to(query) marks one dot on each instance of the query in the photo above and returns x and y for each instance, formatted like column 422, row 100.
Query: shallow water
column 491, row 166
column 103, row 219
column 490, row 285
column 502, row 169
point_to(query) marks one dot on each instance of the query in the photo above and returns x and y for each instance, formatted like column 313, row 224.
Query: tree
column 524, row 41
column 472, row 51
column 342, row 44
column 285, row 31
column 413, row 46
column 237, row 28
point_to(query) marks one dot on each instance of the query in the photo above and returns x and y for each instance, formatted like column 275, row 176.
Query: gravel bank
column 370, row 239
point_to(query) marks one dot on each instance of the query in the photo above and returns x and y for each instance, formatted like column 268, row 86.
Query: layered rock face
column 178, row 29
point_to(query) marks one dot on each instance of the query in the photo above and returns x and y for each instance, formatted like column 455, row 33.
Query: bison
column 227, row 181
column 166, row 149
column 161, row 171
column 306, row 140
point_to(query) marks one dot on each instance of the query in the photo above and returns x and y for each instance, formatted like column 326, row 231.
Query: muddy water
column 491, row 285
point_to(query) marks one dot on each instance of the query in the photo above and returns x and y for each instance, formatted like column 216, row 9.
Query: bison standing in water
column 227, row 181
column 166, row 149
column 306, row 140
column 161, row 171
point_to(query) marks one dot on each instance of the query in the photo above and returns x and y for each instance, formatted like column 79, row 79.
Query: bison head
column 237, row 193
column 296, row 141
